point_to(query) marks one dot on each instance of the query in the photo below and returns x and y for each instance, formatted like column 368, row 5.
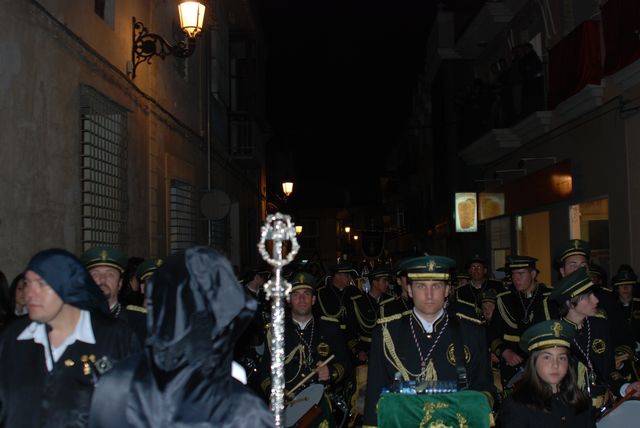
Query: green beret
column 574, row 247
column 380, row 272
column 572, row 285
column 430, row 267
column 624, row 278
column 300, row 280
column 104, row 256
column 147, row 268
column 546, row 334
column 346, row 267
column 521, row 262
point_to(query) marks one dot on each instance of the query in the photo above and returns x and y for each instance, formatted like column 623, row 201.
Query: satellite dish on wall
column 215, row 204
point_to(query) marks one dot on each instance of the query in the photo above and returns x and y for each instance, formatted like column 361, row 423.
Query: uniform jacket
column 30, row 396
column 517, row 415
column 394, row 350
column 323, row 337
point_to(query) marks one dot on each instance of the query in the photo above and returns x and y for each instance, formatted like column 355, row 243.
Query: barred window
column 182, row 216
column 103, row 169
column 218, row 237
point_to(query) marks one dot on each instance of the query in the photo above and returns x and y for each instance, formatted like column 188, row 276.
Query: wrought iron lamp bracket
column 146, row 45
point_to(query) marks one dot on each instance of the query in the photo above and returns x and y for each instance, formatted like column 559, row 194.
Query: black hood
column 69, row 279
column 196, row 311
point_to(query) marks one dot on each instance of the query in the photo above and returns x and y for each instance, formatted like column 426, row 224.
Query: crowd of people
column 103, row 341
column 561, row 354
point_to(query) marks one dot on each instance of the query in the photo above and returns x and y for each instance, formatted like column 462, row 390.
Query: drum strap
column 458, row 347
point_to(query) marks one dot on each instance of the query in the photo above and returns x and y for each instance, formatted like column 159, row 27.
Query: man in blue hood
column 51, row 361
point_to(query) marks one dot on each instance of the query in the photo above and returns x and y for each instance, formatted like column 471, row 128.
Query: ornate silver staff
column 278, row 228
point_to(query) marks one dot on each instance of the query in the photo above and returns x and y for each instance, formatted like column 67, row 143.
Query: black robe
column 30, row 396
column 196, row 311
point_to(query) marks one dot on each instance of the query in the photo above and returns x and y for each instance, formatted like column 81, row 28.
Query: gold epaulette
column 468, row 318
column 390, row 299
column 636, row 299
column 136, row 308
column 389, row 318
column 357, row 296
column 320, row 288
column 601, row 314
column 323, row 317
column 504, row 293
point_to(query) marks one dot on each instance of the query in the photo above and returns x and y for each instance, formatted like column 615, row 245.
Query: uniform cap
column 546, row 334
column 147, row 268
column 104, row 256
column 521, row 262
column 430, row 267
column 572, row 285
column 380, row 272
column 300, row 280
column 574, row 247
column 624, row 278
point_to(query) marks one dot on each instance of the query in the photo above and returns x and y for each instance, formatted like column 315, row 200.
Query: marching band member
column 547, row 395
column 309, row 340
column 592, row 345
column 423, row 345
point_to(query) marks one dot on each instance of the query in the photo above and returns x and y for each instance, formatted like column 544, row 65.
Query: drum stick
column 310, row 375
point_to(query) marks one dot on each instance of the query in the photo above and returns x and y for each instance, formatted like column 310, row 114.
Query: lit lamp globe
column 191, row 17
column 287, row 188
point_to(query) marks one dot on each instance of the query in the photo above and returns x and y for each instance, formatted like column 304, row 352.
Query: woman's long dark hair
column 535, row 393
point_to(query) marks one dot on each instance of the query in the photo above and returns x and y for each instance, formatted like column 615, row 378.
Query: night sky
column 340, row 76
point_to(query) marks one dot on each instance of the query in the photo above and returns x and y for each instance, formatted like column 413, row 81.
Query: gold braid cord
column 391, row 355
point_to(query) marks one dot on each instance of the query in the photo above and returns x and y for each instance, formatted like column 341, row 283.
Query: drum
column 302, row 403
column 626, row 414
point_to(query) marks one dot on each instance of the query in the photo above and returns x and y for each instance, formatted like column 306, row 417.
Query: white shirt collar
column 302, row 325
column 428, row 326
column 38, row 333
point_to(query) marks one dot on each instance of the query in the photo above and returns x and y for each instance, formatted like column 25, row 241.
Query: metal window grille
column 182, row 216
column 103, row 169
column 218, row 238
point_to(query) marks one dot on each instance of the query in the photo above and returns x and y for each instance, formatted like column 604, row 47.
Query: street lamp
column 287, row 188
column 298, row 229
column 347, row 229
column 146, row 45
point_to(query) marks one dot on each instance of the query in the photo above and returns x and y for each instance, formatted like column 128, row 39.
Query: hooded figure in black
column 196, row 311
column 51, row 360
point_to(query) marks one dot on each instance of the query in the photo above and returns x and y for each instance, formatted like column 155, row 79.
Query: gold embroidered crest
column 451, row 354
column 323, row 349
column 599, row 346
column 431, row 265
column 103, row 255
column 557, row 329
